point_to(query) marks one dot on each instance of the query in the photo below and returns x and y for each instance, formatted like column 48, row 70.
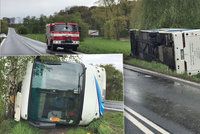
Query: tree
column 11, row 72
column 148, row 14
column 22, row 30
column 114, row 83
column 3, row 26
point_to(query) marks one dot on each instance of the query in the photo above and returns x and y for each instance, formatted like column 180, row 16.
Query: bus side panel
column 25, row 91
column 90, row 104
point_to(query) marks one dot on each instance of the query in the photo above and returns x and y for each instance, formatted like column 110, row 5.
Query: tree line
column 114, row 18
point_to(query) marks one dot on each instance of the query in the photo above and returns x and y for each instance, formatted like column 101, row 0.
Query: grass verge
column 110, row 123
column 104, row 46
column 11, row 127
column 161, row 68
column 39, row 37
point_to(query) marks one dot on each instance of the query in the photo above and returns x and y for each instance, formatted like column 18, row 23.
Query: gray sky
column 97, row 59
column 23, row 8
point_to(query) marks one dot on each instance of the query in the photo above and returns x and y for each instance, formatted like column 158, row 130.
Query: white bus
column 66, row 93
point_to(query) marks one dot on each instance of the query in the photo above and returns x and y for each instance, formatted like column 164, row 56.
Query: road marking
column 28, row 45
column 3, row 42
column 138, row 124
column 150, row 123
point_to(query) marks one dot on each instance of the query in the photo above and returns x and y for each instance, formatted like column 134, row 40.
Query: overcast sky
column 97, row 59
column 23, row 8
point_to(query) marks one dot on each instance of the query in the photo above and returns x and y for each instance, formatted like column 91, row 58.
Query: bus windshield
column 56, row 92
column 65, row 28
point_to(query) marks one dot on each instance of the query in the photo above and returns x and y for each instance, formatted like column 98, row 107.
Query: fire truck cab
column 61, row 34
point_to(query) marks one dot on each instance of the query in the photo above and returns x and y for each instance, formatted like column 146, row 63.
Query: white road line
column 150, row 123
column 2, row 42
column 138, row 124
column 28, row 45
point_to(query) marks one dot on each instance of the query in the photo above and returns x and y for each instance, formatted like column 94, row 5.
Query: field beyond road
column 95, row 45
column 105, row 46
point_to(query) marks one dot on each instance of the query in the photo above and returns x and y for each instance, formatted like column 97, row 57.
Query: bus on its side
column 66, row 93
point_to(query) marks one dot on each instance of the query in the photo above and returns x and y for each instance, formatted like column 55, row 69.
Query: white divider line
column 2, row 42
column 147, row 121
column 138, row 124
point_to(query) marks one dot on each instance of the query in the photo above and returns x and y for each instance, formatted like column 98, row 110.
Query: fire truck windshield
column 65, row 28
column 55, row 94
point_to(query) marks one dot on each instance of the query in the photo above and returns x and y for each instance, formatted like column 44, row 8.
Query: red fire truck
column 60, row 34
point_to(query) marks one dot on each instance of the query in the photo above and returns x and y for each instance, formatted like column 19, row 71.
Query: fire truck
column 177, row 48
column 61, row 93
column 60, row 34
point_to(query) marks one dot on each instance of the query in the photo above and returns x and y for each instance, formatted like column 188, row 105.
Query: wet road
column 159, row 105
column 16, row 44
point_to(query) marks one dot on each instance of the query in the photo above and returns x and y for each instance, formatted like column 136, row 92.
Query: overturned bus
column 177, row 48
column 61, row 93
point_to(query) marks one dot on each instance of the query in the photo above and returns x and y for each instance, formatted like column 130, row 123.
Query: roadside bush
column 114, row 83
column 2, row 110
column 99, row 127
column 22, row 30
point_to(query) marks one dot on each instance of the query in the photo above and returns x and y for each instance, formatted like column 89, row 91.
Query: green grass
column 110, row 123
column 11, row 127
column 77, row 131
column 24, row 128
column 40, row 37
column 104, row 46
column 161, row 68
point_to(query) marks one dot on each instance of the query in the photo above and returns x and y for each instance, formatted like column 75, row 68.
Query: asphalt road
column 17, row 45
column 157, row 105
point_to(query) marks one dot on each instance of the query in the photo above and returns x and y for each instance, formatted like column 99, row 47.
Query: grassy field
column 95, row 45
column 40, row 37
column 111, row 123
column 104, row 46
